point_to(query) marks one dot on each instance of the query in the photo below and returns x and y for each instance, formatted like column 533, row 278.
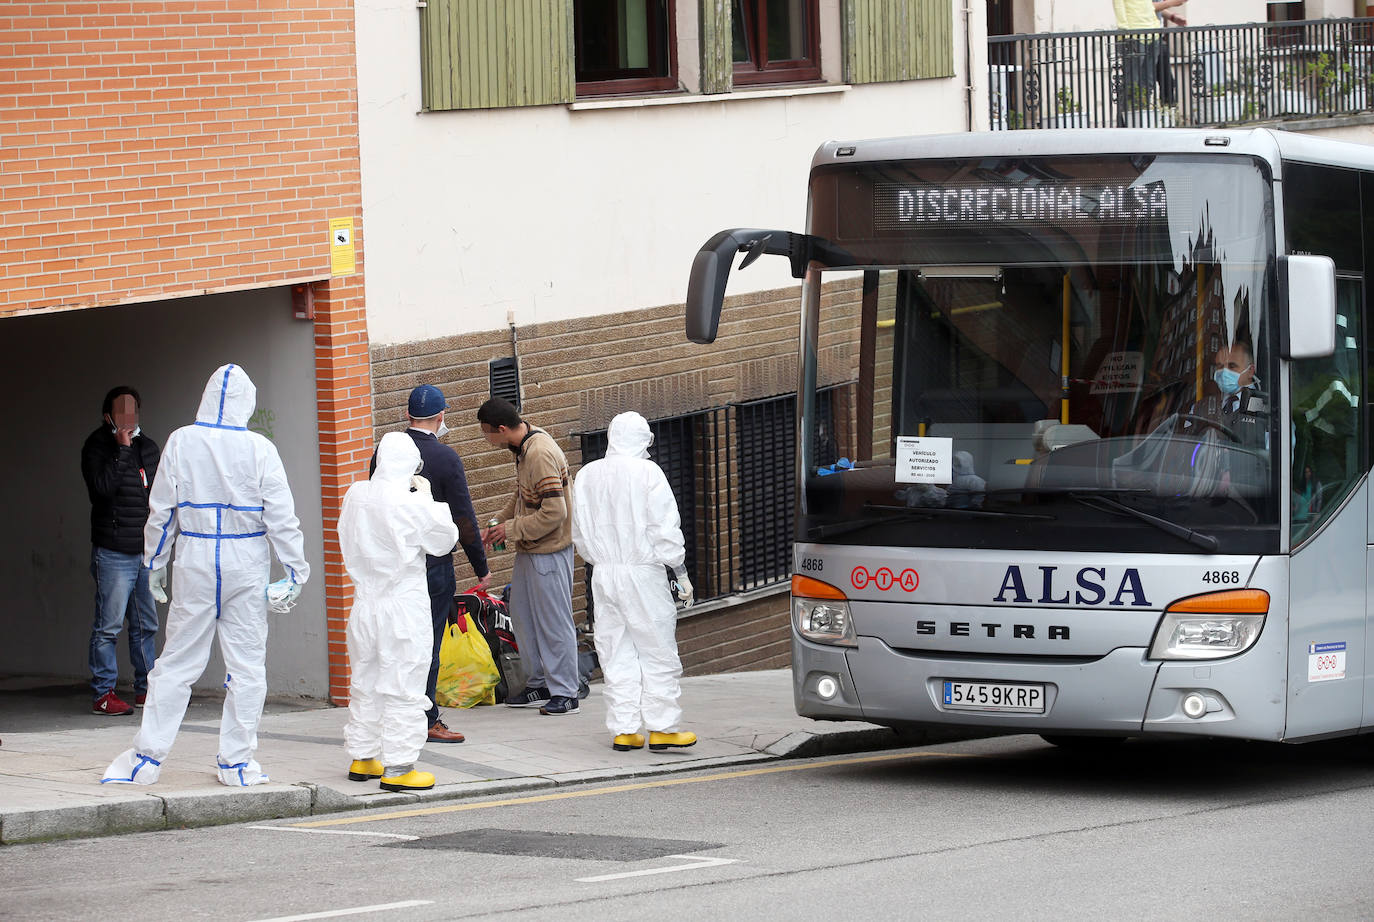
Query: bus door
column 1331, row 575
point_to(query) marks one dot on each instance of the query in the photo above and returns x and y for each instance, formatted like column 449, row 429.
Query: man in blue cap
column 442, row 467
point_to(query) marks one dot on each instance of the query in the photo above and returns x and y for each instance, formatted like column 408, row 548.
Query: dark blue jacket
column 449, row 484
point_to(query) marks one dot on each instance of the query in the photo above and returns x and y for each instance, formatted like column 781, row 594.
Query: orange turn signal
column 807, row 588
column 1226, row 602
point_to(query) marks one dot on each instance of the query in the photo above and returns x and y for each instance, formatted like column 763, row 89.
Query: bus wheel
column 1083, row 743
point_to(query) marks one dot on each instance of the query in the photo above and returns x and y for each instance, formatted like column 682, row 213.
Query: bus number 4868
column 1222, row 577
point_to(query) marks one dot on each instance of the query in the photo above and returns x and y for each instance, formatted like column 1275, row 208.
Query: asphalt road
column 1007, row 828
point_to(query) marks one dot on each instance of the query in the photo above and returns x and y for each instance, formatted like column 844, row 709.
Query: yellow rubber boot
column 627, row 741
column 669, row 740
column 365, row 769
column 410, row 781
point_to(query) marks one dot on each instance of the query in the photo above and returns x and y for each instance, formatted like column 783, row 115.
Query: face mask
column 1227, row 380
column 441, row 431
column 138, row 430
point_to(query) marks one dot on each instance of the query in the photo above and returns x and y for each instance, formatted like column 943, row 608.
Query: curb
column 151, row 812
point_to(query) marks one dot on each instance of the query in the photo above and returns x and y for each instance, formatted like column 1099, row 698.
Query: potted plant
column 1068, row 113
column 1295, row 90
column 1142, row 111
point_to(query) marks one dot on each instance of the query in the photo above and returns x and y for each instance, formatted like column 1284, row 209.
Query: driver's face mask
column 1227, row 380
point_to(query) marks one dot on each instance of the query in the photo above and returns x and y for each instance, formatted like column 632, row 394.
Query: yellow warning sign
column 342, row 259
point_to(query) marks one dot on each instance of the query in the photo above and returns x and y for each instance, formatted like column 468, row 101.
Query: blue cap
column 426, row 401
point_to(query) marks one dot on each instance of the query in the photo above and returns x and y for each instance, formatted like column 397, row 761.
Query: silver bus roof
column 1269, row 144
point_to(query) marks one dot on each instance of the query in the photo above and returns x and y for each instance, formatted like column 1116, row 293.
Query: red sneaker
column 111, row 706
column 140, row 700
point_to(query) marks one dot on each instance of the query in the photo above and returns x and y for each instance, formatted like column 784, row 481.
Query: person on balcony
column 1144, row 58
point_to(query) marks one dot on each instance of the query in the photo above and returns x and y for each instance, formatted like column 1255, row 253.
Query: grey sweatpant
column 541, row 612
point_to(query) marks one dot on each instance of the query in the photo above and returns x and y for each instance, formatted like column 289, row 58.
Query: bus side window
column 1327, row 425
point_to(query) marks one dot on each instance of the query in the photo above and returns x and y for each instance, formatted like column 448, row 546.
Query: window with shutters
column 477, row 54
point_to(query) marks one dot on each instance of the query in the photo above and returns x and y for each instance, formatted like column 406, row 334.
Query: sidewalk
column 50, row 762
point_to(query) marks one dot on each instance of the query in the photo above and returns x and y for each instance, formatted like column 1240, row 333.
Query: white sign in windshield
column 924, row 460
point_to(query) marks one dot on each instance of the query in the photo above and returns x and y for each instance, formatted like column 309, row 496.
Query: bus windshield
column 1043, row 354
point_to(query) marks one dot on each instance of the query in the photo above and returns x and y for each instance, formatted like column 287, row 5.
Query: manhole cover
column 558, row 845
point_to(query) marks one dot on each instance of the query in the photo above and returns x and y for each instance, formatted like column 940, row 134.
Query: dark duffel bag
column 493, row 622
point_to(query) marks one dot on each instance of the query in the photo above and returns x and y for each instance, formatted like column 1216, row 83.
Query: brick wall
column 153, row 149
column 161, row 148
column 577, row 374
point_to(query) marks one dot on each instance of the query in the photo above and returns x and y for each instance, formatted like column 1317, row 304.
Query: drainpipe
column 968, row 67
column 515, row 354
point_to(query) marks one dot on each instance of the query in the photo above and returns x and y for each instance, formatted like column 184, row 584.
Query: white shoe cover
column 241, row 774
column 131, row 768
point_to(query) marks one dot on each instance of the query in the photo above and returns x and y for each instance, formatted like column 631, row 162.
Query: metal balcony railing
column 1198, row 75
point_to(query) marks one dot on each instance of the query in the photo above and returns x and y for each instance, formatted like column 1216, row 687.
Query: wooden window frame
column 764, row 71
column 627, row 85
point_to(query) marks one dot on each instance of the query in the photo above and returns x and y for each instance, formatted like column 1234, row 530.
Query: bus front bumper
column 1120, row 693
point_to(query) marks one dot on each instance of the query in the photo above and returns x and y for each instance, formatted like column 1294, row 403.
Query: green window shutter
column 889, row 40
column 717, row 47
column 479, row 54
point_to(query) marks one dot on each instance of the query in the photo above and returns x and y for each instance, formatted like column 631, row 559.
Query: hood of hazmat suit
column 221, row 500
column 629, row 435
column 625, row 523
column 385, row 531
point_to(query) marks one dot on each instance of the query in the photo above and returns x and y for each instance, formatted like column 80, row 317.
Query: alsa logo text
column 1063, row 586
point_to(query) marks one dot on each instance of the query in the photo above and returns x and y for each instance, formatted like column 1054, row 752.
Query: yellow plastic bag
column 467, row 673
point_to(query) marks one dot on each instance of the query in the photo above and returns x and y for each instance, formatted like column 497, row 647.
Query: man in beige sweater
column 538, row 520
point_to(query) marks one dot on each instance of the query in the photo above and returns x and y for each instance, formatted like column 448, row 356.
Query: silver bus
column 1082, row 441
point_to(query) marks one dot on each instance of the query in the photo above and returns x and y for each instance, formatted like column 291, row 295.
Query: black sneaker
column 558, row 705
column 527, row 698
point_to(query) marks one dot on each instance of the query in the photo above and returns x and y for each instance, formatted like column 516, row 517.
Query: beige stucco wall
column 555, row 212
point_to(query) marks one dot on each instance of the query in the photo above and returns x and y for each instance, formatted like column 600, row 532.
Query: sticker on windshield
column 923, row 460
column 1325, row 661
column 1119, row 371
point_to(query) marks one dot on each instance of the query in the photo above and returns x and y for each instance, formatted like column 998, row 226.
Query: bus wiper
column 1096, row 500
column 897, row 513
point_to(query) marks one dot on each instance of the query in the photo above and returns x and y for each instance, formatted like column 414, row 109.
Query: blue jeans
column 121, row 589
column 443, row 586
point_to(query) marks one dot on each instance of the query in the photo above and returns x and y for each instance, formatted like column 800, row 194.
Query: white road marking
column 697, row 862
column 355, row 911
column 338, row 832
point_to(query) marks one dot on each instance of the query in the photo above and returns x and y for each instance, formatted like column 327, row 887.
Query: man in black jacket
column 448, row 482
column 118, row 463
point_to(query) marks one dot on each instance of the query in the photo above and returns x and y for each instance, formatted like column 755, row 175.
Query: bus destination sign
column 904, row 206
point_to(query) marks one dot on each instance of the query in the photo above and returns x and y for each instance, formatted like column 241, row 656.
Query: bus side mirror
column 1307, row 285
column 711, row 270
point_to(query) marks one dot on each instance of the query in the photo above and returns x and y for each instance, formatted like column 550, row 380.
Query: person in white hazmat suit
column 385, row 530
column 626, row 525
column 221, row 499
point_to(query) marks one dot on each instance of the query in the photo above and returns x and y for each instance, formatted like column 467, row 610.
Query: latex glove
column 683, row 587
column 157, row 584
column 421, row 486
column 282, row 594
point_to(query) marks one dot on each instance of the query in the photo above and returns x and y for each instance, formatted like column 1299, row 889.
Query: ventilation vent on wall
column 505, row 379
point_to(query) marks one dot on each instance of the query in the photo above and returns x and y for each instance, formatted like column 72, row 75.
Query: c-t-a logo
column 884, row 579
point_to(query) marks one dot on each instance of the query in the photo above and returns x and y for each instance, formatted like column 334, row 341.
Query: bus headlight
column 820, row 612
column 1211, row 625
